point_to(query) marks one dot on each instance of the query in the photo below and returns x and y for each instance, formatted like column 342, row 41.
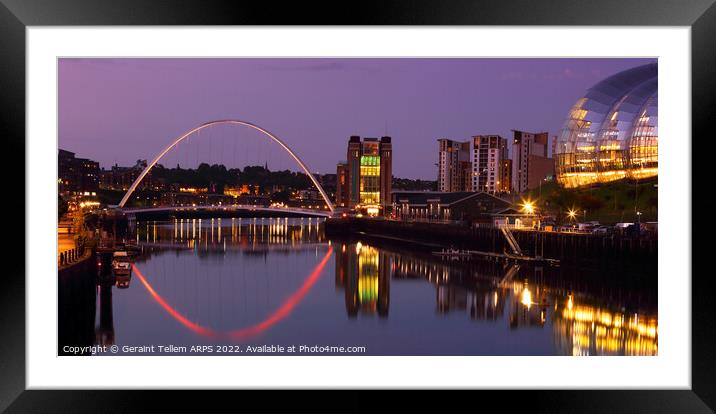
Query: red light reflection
column 284, row 310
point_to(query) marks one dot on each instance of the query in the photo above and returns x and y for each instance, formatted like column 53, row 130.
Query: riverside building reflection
column 104, row 331
column 363, row 273
column 257, row 281
column 533, row 298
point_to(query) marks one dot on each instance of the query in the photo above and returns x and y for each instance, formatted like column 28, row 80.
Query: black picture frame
column 16, row 15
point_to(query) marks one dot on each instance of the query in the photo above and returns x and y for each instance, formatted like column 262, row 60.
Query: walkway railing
column 427, row 220
column 228, row 207
column 510, row 226
column 71, row 256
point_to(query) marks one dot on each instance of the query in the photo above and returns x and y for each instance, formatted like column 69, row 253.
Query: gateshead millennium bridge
column 265, row 133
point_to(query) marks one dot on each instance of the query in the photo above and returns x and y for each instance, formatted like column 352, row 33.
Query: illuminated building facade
column 369, row 174
column 488, row 155
column 234, row 191
column 454, row 165
column 612, row 132
column 76, row 175
column 121, row 178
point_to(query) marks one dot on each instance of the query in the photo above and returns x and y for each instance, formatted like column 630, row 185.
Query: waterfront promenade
column 65, row 236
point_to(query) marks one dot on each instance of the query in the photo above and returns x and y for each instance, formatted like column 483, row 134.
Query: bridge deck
column 230, row 207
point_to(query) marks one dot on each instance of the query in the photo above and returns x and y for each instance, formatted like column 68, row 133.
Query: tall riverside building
column 489, row 155
column 454, row 167
column 342, row 199
column 76, row 175
column 530, row 161
column 505, row 184
column 386, row 171
column 368, row 174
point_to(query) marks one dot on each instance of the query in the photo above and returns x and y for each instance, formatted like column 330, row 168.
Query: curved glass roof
column 617, row 124
column 611, row 129
column 585, row 119
column 643, row 141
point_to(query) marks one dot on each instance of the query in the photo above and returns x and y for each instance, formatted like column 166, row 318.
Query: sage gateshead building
column 612, row 132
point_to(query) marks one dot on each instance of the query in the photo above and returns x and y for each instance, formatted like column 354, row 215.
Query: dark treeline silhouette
column 408, row 184
column 217, row 175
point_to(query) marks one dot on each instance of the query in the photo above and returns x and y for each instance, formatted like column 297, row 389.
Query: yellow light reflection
column 526, row 297
column 593, row 329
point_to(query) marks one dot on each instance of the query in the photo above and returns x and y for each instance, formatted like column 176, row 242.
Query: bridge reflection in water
column 263, row 281
column 233, row 233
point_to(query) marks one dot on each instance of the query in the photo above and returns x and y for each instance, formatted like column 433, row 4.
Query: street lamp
column 528, row 207
column 571, row 214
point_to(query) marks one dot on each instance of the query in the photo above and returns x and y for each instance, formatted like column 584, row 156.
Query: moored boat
column 121, row 264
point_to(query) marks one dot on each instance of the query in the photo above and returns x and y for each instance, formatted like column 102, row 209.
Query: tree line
column 218, row 177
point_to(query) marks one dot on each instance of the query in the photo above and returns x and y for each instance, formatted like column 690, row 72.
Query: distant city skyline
column 120, row 110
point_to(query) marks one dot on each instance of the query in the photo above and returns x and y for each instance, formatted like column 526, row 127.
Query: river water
column 263, row 286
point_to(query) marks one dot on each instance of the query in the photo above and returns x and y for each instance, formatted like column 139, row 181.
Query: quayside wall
column 617, row 250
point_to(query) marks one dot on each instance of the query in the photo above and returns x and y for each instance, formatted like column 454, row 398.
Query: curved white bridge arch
column 231, row 122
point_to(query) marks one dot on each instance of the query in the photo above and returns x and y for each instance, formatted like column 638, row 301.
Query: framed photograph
column 410, row 196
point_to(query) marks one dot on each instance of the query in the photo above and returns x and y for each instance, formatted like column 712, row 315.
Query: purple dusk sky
column 121, row 110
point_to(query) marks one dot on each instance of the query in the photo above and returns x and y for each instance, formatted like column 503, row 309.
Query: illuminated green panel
column 370, row 160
